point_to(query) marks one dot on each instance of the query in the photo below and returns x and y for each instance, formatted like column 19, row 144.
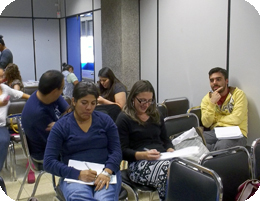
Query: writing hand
column 87, row 175
column 215, row 96
column 152, row 154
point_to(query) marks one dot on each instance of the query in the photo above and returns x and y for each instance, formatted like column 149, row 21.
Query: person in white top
column 6, row 93
column 70, row 79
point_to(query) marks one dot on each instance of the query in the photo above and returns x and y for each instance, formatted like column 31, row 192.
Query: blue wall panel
column 73, row 44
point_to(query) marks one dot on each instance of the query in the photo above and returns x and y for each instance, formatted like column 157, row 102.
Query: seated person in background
column 13, row 77
column 42, row 110
column 70, row 79
column 85, row 135
column 111, row 89
column 5, row 94
column 143, row 136
column 223, row 106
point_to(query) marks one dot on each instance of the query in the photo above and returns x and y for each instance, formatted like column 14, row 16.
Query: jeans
column 82, row 192
column 4, row 143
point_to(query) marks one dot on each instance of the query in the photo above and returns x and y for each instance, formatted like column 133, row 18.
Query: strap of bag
column 12, row 125
column 247, row 189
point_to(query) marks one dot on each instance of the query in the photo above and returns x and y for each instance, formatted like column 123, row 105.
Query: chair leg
column 129, row 189
column 22, row 185
column 11, row 154
column 37, row 183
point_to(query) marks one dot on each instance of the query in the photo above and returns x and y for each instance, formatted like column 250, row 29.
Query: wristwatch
column 106, row 173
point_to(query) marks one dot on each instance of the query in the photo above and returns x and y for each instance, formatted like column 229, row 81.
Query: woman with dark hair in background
column 70, row 79
column 85, row 135
column 13, row 77
column 143, row 136
column 111, row 89
column 6, row 56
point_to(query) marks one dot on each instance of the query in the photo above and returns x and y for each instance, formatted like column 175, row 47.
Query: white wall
column 148, row 41
column 193, row 39
column 245, row 59
column 78, row 6
column 19, row 39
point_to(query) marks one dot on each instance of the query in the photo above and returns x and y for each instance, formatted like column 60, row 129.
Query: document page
column 182, row 153
column 229, row 132
column 82, row 165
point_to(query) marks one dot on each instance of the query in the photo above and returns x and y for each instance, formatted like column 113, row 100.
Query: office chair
column 255, row 152
column 134, row 188
column 177, row 124
column 162, row 109
column 35, row 167
column 190, row 181
column 233, row 165
column 176, row 106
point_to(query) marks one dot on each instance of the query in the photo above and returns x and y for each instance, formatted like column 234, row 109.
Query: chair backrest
column 196, row 110
column 233, row 165
column 30, row 89
column 179, row 123
column 162, row 109
column 112, row 110
column 16, row 106
column 255, row 151
column 177, row 106
column 191, row 181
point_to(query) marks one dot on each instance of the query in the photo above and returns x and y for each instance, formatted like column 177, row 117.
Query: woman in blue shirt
column 85, row 135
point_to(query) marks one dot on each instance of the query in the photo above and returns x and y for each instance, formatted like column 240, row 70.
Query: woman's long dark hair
column 109, row 92
column 139, row 87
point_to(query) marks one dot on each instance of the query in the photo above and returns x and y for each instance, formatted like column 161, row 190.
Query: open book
column 187, row 152
column 230, row 132
column 82, row 165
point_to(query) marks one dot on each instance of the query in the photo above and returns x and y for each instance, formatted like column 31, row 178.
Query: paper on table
column 229, row 132
column 80, row 165
column 184, row 153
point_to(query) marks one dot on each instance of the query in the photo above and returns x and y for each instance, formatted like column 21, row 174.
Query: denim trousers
column 4, row 143
column 82, row 192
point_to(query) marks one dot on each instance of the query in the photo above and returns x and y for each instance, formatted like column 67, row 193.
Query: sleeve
column 114, row 149
column 207, row 111
column 53, row 149
column 124, row 132
column 239, row 111
column 71, row 78
column 119, row 88
column 3, row 60
column 62, row 104
column 14, row 94
column 164, row 137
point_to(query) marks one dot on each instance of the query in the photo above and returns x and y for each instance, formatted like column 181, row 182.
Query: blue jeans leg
column 82, row 192
column 4, row 143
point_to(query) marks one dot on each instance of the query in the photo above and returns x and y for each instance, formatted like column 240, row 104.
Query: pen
column 87, row 165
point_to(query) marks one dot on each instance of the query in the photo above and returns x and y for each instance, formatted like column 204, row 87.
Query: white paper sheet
column 229, row 132
column 81, row 165
column 182, row 153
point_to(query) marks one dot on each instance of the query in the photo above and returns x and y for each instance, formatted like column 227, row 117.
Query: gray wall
column 37, row 36
column 192, row 39
column 120, row 39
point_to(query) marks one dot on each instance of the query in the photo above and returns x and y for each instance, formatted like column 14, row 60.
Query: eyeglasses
column 143, row 101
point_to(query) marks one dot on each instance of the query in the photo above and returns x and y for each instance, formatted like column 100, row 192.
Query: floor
column 45, row 191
